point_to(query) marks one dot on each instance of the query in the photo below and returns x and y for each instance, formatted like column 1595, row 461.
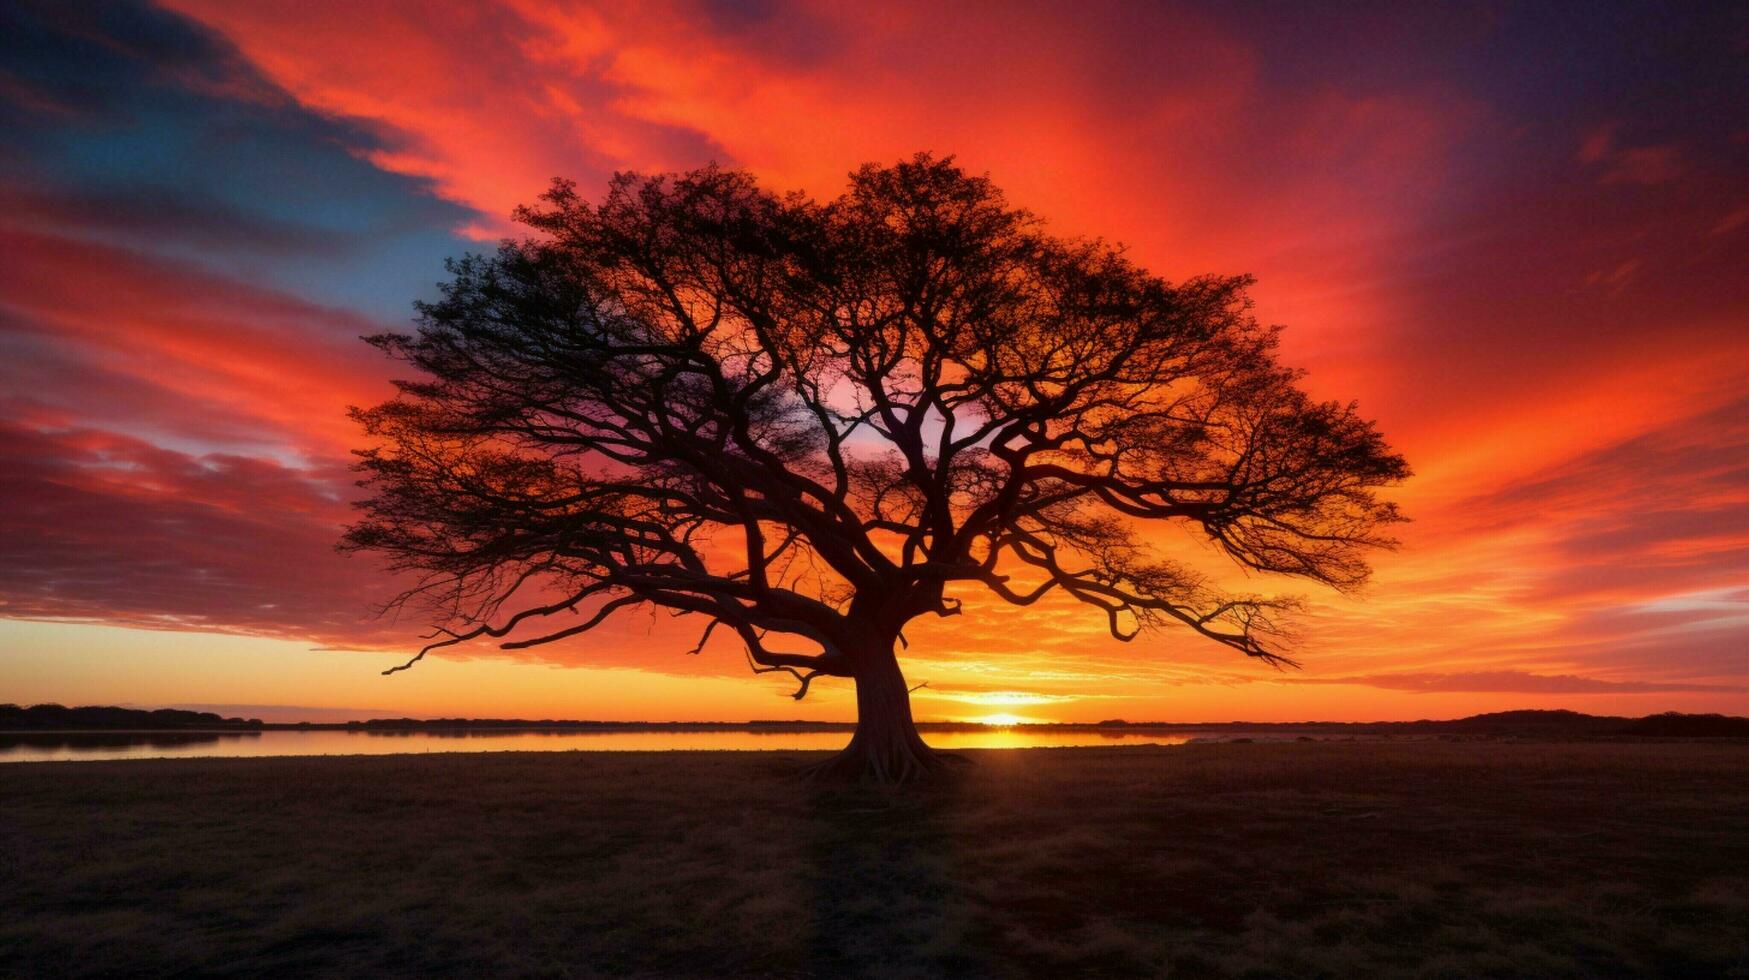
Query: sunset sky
column 1517, row 234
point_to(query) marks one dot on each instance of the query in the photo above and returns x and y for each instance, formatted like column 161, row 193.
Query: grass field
column 1427, row 858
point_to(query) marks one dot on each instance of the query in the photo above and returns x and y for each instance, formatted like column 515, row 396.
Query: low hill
column 1672, row 724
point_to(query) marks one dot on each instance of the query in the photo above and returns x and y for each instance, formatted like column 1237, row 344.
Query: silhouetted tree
column 818, row 421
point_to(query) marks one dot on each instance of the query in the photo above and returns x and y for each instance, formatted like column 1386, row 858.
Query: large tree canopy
column 811, row 423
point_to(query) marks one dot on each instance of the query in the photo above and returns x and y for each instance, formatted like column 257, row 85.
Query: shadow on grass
column 883, row 867
column 1462, row 859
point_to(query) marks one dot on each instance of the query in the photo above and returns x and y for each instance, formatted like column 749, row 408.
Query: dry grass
column 1442, row 859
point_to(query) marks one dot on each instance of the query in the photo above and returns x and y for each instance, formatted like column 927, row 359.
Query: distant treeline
column 51, row 717
column 60, row 718
column 1670, row 724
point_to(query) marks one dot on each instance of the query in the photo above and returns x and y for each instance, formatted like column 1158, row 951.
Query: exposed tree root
column 892, row 761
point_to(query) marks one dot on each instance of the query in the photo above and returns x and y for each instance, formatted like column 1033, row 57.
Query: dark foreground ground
column 1444, row 859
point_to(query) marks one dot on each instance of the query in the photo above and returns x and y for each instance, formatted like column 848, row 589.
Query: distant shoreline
column 15, row 721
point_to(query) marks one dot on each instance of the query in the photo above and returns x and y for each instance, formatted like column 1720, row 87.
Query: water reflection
column 62, row 746
column 26, row 746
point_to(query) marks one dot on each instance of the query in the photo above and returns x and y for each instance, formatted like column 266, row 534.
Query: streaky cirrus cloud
column 105, row 528
column 157, row 346
column 1519, row 682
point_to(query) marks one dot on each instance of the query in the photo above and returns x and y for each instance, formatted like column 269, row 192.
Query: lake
column 67, row 746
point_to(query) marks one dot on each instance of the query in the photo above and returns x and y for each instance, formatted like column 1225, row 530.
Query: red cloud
column 187, row 353
column 105, row 528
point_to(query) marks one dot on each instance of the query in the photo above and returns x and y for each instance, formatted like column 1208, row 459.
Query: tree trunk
column 886, row 747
